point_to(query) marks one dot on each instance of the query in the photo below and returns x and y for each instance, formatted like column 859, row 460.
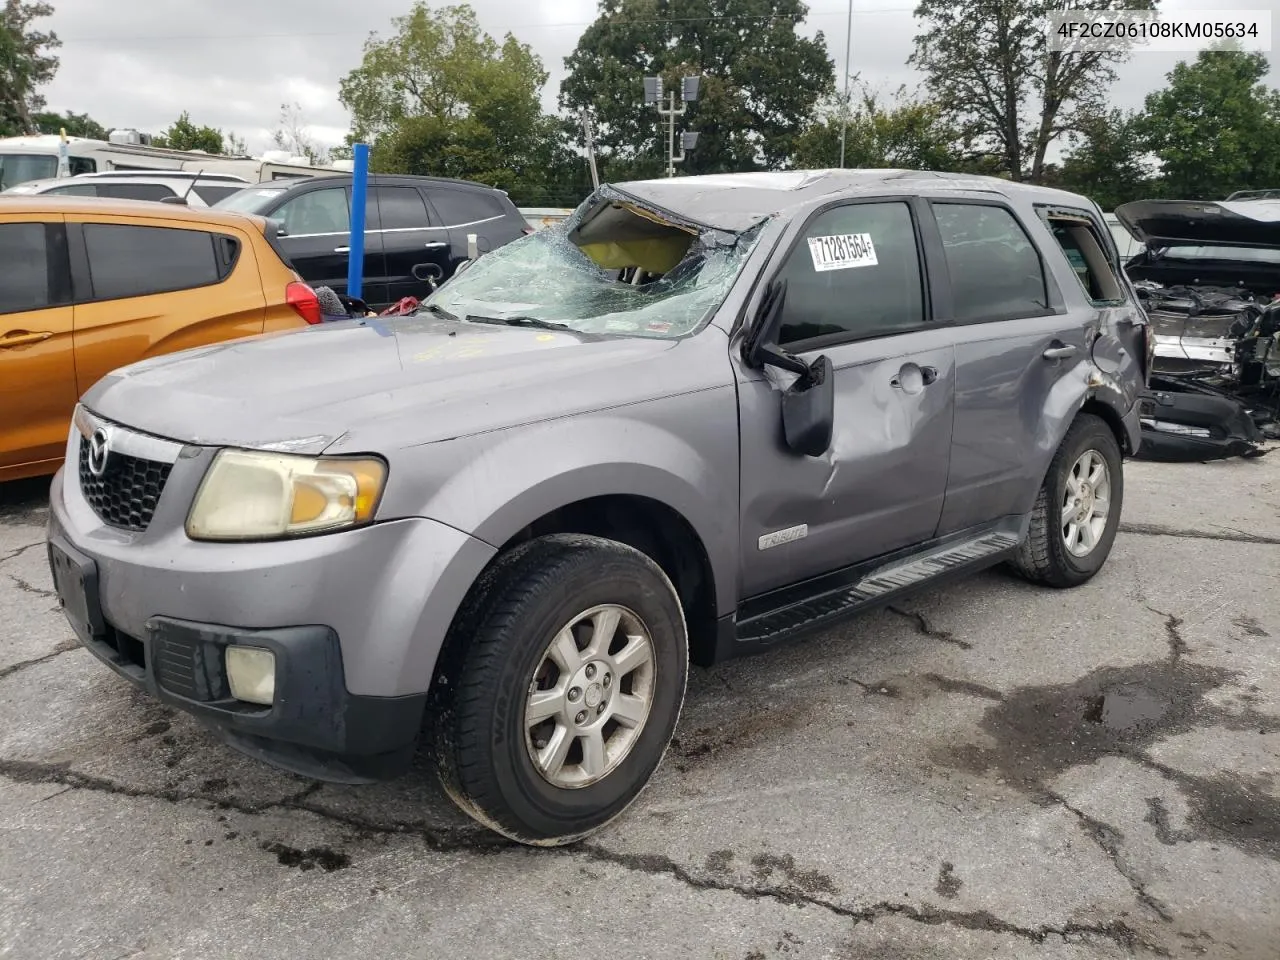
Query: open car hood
column 1243, row 223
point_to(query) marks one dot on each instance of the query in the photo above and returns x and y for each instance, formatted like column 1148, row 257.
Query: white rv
column 36, row 158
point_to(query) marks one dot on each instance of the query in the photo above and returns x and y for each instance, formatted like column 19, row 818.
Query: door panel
column 856, row 293
column 37, row 367
column 410, row 240
column 881, row 485
column 1006, row 387
column 118, row 322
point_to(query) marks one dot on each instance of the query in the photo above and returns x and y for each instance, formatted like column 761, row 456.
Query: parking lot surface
column 986, row 770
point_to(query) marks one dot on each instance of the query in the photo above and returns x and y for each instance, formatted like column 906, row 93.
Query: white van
column 36, row 158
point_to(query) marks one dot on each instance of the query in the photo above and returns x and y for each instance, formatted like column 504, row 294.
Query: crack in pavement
column 65, row 647
column 968, row 687
column 1173, row 633
column 462, row 840
column 929, row 630
column 13, row 555
column 442, row 841
column 1158, row 530
column 1117, row 931
column 26, row 587
column 1108, row 839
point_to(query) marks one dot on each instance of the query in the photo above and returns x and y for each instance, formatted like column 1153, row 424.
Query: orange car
column 88, row 285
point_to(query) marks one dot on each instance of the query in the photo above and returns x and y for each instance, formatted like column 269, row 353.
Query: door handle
column 1060, row 352
column 435, row 245
column 341, row 249
column 912, row 379
column 17, row 339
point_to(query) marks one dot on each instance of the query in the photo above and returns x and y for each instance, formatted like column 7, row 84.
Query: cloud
column 139, row 63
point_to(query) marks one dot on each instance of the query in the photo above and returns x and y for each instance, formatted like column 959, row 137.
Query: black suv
column 415, row 228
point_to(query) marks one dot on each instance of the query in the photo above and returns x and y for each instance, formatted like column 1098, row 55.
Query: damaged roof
column 1240, row 223
column 736, row 202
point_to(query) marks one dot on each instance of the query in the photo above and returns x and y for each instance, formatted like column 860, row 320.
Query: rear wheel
column 567, row 678
column 1077, row 512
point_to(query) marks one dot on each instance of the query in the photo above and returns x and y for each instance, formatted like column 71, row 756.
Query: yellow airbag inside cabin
column 654, row 255
column 620, row 236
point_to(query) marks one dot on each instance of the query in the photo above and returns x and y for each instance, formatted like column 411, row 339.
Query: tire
column 1044, row 557
column 498, row 651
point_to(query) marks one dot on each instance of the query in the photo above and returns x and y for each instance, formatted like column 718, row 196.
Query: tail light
column 304, row 301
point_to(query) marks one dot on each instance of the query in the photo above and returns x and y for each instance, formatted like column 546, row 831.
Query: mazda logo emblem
column 99, row 452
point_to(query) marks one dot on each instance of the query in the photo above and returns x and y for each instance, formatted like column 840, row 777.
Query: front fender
column 494, row 485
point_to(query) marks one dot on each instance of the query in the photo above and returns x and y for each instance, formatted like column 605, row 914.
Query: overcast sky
column 139, row 63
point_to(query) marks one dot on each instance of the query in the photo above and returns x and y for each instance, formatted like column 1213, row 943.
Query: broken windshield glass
column 546, row 278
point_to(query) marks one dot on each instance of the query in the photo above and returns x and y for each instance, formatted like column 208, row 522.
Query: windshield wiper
column 439, row 311
column 519, row 322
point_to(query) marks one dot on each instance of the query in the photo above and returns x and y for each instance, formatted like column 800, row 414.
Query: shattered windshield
column 546, row 278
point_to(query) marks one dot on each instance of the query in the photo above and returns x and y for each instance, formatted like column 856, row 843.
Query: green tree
column 762, row 81
column 25, row 63
column 1108, row 160
column 185, row 135
column 989, row 62
column 1215, row 128
column 442, row 97
column 907, row 131
column 76, row 124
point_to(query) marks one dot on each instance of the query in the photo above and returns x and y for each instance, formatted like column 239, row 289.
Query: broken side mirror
column 809, row 404
column 809, row 409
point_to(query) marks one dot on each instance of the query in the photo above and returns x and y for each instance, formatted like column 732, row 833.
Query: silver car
column 701, row 416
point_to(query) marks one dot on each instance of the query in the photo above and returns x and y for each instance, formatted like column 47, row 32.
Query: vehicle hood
column 1239, row 223
column 376, row 384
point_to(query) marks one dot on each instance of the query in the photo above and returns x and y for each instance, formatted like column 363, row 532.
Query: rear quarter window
column 460, row 207
column 136, row 261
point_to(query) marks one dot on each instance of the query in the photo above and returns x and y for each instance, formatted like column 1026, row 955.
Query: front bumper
column 355, row 619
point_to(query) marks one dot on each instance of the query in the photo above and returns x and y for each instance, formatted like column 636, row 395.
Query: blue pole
column 359, row 193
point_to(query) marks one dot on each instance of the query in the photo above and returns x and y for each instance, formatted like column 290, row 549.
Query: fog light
column 252, row 674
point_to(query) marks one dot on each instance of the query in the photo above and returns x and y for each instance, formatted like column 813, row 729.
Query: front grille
column 126, row 494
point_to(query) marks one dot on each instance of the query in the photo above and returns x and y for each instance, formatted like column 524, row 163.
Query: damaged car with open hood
column 701, row 416
column 1209, row 278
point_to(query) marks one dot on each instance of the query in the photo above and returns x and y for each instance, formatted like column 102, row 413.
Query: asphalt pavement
column 986, row 770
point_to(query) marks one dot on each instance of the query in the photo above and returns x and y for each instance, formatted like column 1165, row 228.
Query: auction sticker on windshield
column 842, row 252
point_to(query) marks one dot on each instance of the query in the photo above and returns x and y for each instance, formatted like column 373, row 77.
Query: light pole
column 844, row 113
column 653, row 94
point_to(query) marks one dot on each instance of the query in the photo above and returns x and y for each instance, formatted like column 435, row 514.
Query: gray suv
column 699, row 417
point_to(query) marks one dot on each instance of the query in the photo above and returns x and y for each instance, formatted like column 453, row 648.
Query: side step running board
column 874, row 587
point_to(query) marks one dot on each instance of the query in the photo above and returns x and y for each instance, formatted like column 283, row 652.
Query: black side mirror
column 809, row 404
column 809, row 410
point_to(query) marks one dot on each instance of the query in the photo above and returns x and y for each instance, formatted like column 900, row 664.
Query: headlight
column 248, row 495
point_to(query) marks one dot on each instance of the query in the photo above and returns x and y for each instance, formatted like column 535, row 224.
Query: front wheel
column 568, row 677
column 1077, row 512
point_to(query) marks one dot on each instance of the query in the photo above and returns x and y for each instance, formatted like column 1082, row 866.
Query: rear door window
column 316, row 212
column 854, row 274
column 25, row 256
column 399, row 208
column 995, row 269
column 130, row 261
